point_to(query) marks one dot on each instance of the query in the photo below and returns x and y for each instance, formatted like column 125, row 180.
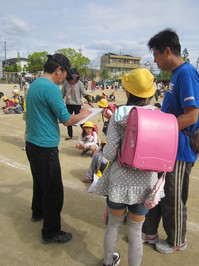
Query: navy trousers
column 72, row 108
column 172, row 208
column 47, row 187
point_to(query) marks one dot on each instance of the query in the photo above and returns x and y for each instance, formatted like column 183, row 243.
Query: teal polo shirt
column 44, row 108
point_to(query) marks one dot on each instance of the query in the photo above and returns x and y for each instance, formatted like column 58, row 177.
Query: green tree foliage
column 9, row 68
column 165, row 76
column 36, row 62
column 185, row 55
column 104, row 75
column 77, row 60
column 18, row 62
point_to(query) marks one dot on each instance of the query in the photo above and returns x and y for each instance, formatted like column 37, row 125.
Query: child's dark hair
column 134, row 100
column 158, row 105
column 84, row 133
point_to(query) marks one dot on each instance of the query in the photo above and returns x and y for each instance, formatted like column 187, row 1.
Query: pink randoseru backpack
column 151, row 140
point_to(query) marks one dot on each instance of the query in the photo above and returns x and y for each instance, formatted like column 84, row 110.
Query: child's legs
column 93, row 148
column 135, row 219
column 116, row 220
column 80, row 146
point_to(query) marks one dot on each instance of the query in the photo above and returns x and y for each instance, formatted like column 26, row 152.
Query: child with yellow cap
column 17, row 107
column 9, row 105
column 98, row 165
column 126, row 188
column 88, row 139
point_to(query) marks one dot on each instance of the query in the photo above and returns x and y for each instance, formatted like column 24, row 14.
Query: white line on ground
column 13, row 164
column 193, row 226
column 23, row 167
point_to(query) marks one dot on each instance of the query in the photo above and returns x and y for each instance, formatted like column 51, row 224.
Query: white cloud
column 97, row 27
column 14, row 25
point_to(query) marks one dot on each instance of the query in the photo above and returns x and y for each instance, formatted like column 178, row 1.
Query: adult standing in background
column 156, row 88
column 44, row 110
column 73, row 90
column 182, row 100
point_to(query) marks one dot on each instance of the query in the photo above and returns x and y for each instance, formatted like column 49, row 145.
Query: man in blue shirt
column 182, row 100
column 45, row 108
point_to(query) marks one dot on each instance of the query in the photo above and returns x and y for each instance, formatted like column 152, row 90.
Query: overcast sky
column 95, row 27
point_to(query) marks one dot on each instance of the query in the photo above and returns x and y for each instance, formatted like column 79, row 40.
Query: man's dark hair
column 164, row 39
column 51, row 65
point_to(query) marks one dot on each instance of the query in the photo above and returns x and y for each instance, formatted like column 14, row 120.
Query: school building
column 117, row 65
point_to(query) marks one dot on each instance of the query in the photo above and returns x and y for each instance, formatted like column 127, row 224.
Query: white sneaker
column 163, row 247
column 116, row 258
column 150, row 239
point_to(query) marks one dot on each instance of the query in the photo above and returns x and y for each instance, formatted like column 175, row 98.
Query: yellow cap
column 16, row 101
column 4, row 98
column 103, row 103
column 139, row 83
column 99, row 173
column 88, row 124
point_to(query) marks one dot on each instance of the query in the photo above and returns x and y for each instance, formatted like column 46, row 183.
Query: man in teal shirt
column 45, row 108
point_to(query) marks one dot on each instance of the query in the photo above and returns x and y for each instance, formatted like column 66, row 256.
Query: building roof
column 121, row 55
column 13, row 60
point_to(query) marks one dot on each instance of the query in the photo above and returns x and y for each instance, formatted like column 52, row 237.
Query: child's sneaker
column 150, row 239
column 116, row 259
column 84, row 152
column 163, row 247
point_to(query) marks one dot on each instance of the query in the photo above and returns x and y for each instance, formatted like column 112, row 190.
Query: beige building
column 117, row 65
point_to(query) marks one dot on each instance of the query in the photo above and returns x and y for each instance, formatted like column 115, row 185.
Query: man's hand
column 76, row 118
column 85, row 112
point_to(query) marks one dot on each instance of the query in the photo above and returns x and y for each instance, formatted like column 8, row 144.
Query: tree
column 18, row 62
column 36, row 62
column 165, row 76
column 185, row 55
column 77, row 60
column 104, row 75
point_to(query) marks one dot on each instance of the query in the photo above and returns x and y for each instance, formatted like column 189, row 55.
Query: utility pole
column 197, row 64
column 5, row 53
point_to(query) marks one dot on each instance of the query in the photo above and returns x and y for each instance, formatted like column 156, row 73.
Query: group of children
column 14, row 105
column 17, row 104
column 109, row 98
column 88, row 140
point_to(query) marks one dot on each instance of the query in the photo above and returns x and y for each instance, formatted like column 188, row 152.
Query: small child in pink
column 88, row 140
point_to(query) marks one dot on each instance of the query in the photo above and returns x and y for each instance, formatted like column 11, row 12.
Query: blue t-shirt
column 183, row 91
column 44, row 108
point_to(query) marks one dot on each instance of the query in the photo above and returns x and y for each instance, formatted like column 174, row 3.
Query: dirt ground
column 82, row 214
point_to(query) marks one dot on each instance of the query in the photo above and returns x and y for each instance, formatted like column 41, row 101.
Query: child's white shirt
column 88, row 140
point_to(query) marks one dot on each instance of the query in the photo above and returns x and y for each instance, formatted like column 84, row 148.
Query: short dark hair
column 164, row 39
column 50, row 66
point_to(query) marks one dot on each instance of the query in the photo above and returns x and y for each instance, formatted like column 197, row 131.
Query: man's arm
column 189, row 118
column 76, row 118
